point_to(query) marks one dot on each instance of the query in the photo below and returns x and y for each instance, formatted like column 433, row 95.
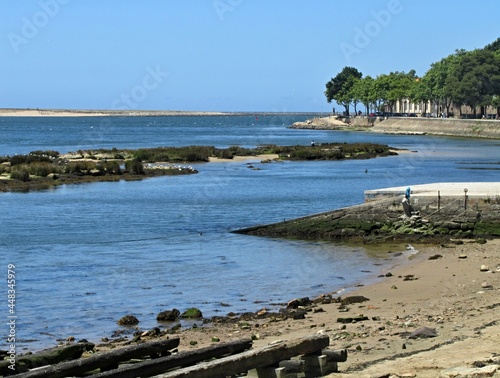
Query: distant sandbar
column 99, row 113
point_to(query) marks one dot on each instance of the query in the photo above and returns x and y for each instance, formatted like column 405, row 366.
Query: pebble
column 462, row 256
column 486, row 285
column 484, row 268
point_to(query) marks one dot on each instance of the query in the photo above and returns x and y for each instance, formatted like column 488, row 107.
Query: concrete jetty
column 486, row 190
column 435, row 213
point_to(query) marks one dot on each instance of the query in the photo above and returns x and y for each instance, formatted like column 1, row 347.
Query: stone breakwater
column 477, row 128
column 431, row 220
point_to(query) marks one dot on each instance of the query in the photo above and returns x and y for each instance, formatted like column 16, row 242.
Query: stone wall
column 438, row 126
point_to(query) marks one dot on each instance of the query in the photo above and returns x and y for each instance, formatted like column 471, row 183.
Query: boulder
column 299, row 302
column 128, row 320
column 192, row 313
column 168, row 315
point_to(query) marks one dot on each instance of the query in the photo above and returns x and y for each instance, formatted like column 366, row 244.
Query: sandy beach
column 453, row 290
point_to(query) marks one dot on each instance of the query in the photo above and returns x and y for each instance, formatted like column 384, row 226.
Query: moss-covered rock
column 192, row 313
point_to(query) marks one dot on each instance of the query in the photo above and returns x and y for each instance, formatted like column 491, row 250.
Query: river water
column 85, row 255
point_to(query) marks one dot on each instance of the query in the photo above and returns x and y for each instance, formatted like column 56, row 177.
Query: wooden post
column 318, row 365
column 439, row 200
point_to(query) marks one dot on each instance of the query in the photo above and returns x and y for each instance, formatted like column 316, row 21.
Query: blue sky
column 221, row 55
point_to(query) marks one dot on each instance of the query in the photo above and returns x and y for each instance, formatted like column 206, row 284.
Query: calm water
column 86, row 255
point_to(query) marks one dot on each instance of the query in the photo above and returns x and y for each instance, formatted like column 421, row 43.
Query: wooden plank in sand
column 187, row 358
column 252, row 359
column 104, row 361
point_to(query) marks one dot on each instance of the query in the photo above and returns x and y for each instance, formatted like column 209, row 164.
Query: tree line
column 464, row 78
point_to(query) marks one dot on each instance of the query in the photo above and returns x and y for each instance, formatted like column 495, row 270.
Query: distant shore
column 12, row 112
column 98, row 113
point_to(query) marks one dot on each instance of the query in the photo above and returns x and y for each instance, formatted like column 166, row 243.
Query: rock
column 192, row 313
column 353, row 319
column 297, row 315
column 353, row 299
column 423, row 333
column 128, row 320
column 486, row 285
column 462, row 256
column 410, row 277
column 435, row 257
column 484, row 268
column 262, row 312
column 466, row 372
column 299, row 302
column 168, row 315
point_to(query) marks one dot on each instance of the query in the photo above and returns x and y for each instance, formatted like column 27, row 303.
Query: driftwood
column 46, row 357
column 252, row 359
column 104, row 361
column 188, row 358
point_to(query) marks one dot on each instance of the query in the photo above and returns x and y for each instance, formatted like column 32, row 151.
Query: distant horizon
column 76, row 110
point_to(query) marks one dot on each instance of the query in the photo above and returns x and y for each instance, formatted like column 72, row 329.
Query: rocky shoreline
column 432, row 314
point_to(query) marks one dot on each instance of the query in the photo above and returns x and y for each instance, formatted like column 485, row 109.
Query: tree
column 394, row 87
column 340, row 87
column 474, row 78
column 364, row 91
column 420, row 92
column 436, row 79
column 494, row 46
